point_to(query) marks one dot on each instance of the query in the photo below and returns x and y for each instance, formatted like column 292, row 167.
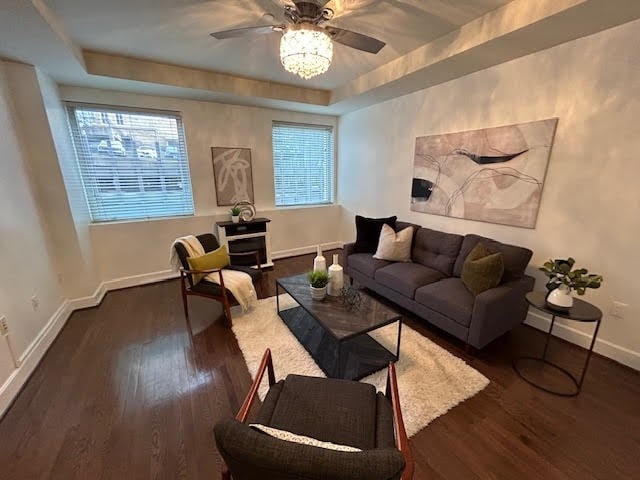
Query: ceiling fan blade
column 355, row 40
column 247, row 31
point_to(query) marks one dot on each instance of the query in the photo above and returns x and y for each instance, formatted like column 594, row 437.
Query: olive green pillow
column 482, row 269
column 218, row 258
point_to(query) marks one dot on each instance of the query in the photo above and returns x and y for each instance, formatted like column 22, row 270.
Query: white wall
column 590, row 203
column 142, row 247
column 26, row 252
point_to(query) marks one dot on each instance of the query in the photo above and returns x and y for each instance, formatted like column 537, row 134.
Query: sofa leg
column 470, row 349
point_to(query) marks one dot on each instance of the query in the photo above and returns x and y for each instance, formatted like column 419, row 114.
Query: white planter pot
column 318, row 293
column 560, row 298
column 235, row 218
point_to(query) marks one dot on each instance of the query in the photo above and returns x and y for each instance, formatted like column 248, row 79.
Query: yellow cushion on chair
column 219, row 258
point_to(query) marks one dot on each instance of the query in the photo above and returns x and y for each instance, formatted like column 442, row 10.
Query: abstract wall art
column 493, row 175
column 233, row 176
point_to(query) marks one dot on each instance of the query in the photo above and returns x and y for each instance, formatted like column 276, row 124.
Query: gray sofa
column 430, row 285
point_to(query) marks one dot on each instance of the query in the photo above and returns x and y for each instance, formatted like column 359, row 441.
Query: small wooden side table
column 581, row 312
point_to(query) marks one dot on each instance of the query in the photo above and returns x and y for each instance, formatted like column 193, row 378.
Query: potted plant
column 235, row 214
column 318, row 281
column 563, row 280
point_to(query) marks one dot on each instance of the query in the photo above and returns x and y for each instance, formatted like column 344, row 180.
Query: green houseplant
column 235, row 214
column 318, row 280
column 563, row 279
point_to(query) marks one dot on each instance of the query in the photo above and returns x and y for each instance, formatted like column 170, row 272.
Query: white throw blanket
column 238, row 283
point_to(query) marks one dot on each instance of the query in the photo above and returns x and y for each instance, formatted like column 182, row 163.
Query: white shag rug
column 431, row 380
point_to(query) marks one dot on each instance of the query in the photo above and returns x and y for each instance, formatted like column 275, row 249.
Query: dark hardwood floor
column 124, row 392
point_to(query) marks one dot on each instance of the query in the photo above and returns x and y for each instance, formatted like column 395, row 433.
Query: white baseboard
column 32, row 356
column 293, row 252
column 608, row 349
column 36, row 350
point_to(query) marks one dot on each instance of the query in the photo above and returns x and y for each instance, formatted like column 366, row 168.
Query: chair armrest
column 265, row 364
column 402, row 441
column 347, row 250
column 206, row 272
column 499, row 309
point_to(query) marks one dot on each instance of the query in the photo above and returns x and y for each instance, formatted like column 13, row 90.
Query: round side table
column 581, row 312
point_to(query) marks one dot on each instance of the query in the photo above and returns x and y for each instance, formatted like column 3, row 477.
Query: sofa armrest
column 347, row 250
column 499, row 309
column 252, row 454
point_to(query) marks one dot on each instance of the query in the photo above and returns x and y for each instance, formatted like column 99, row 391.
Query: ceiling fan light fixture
column 306, row 50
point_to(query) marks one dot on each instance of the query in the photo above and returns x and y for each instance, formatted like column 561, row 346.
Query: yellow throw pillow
column 218, row 258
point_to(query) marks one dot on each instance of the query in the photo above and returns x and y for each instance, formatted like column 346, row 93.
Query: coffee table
column 336, row 338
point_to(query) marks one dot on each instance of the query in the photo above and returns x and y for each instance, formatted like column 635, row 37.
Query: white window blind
column 303, row 164
column 133, row 163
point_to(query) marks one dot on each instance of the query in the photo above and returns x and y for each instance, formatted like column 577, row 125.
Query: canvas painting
column 493, row 175
column 233, row 176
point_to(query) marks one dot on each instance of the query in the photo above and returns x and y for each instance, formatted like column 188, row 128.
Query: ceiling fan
column 306, row 48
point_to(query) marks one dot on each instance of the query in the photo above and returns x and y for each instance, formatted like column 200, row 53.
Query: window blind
column 303, row 164
column 133, row 163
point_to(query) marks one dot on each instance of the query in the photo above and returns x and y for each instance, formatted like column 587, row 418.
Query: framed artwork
column 232, row 174
column 492, row 175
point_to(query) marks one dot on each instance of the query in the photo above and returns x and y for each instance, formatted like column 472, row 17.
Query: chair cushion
column 395, row 247
column 368, row 232
column 331, row 410
column 406, row 278
column 218, row 258
column 448, row 297
column 437, row 250
column 366, row 264
column 515, row 258
column 482, row 270
column 252, row 455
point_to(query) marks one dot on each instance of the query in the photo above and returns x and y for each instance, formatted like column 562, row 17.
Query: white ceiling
column 177, row 32
column 163, row 47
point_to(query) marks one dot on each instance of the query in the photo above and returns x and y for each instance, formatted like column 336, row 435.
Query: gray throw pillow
column 482, row 269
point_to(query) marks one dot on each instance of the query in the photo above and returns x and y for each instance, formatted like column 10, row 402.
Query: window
column 303, row 164
column 133, row 163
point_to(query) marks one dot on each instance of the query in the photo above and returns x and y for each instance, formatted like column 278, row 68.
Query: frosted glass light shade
column 306, row 50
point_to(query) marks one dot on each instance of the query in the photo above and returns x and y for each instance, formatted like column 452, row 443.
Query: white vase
column 336, row 278
column 560, row 298
column 235, row 218
column 318, row 293
column 319, row 263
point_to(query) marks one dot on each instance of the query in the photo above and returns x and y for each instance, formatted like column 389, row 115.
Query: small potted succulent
column 235, row 214
column 318, row 280
column 563, row 280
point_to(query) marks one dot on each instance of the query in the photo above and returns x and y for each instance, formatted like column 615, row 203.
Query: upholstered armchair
column 204, row 288
column 342, row 412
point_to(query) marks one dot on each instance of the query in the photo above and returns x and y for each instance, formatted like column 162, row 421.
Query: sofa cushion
column 314, row 406
column 515, row 258
column 448, row 297
column 365, row 263
column 437, row 250
column 368, row 232
column 405, row 278
column 482, row 269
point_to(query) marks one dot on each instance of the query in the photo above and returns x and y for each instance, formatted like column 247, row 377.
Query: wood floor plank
column 126, row 392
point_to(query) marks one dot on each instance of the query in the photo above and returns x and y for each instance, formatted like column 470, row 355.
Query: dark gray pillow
column 482, row 269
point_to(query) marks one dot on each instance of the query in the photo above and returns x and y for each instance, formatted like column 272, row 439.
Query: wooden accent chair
column 208, row 289
column 338, row 411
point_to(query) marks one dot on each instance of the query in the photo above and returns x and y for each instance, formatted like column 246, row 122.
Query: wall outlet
column 35, row 303
column 619, row 309
column 4, row 327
